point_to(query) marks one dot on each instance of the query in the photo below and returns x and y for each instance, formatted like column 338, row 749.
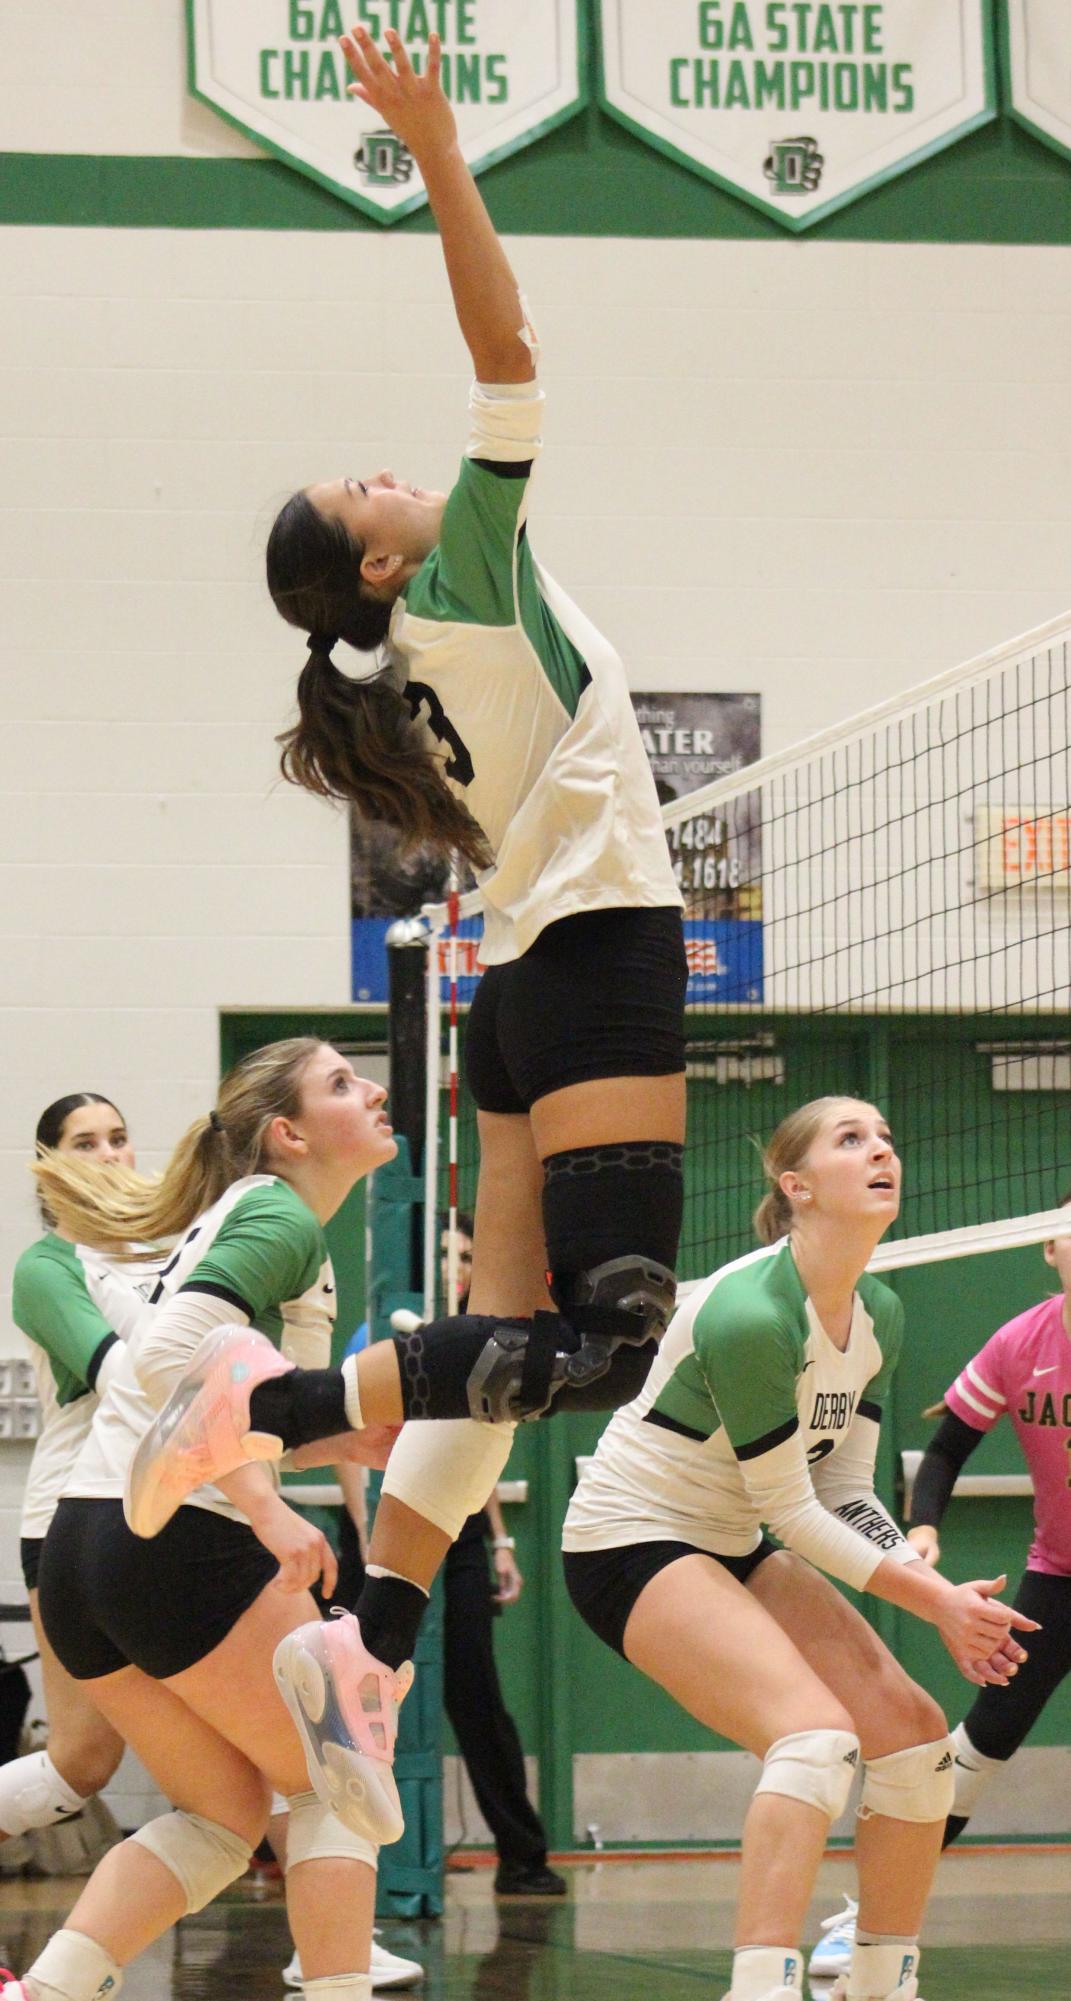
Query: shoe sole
column 361, row 1791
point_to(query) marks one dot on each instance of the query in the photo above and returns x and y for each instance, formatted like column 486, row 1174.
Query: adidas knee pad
column 314, row 1833
column 916, row 1784
column 34, row 1794
column 815, row 1766
column 203, row 1856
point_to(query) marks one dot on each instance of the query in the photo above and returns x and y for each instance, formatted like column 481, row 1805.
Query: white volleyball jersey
column 263, row 1251
column 526, row 702
column 751, row 1417
column 74, row 1305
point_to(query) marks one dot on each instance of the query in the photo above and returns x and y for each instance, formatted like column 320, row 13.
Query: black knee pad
column 601, row 1203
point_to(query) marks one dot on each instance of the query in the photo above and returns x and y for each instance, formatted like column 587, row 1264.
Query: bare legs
column 896, row 1858
column 217, row 1739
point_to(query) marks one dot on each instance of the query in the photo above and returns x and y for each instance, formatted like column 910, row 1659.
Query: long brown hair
column 787, row 1150
column 116, row 1209
column 356, row 740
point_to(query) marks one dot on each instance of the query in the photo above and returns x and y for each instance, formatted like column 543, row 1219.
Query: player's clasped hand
column 414, row 106
column 977, row 1630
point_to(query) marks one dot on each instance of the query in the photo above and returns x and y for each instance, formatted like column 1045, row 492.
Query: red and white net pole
column 453, row 920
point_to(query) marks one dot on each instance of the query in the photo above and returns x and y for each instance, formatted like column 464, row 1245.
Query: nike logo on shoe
column 1047, row 1372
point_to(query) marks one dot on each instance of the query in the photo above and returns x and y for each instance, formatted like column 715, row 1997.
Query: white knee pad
column 34, row 1794
column 916, row 1784
column 815, row 1766
column 73, row 1963
column 314, row 1833
column 973, row 1772
column 204, row 1856
column 445, row 1471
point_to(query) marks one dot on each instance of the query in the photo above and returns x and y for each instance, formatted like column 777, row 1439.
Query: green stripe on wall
column 589, row 178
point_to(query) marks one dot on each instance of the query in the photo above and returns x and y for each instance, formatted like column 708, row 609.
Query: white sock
column 973, row 1772
column 880, row 1965
column 760, row 1970
column 73, row 1967
column 339, row 1987
column 354, row 1413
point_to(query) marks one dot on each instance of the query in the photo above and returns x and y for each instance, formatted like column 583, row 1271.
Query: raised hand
column 415, row 107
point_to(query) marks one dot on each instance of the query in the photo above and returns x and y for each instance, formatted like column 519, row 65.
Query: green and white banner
column 274, row 69
column 797, row 105
column 1039, row 68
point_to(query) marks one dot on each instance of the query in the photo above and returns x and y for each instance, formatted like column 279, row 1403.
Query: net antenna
column 884, row 912
column 443, row 920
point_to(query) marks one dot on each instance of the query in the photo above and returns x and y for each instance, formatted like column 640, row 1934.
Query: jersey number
column 424, row 704
column 820, row 1451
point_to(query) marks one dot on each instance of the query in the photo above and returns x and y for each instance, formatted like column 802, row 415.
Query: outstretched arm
column 486, row 296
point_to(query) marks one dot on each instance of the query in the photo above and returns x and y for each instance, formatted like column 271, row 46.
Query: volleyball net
column 882, row 911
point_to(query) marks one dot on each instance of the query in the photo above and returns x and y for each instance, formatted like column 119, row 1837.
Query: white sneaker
column 833, row 1953
column 388, row 1969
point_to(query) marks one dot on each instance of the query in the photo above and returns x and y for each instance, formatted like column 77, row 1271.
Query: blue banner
column 724, row 959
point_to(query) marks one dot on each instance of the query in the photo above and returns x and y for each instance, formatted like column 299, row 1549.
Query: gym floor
column 999, row 1929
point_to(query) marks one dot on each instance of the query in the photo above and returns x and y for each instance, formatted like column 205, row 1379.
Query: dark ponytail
column 356, row 740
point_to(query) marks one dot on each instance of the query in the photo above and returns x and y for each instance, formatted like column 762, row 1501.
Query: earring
column 805, row 1194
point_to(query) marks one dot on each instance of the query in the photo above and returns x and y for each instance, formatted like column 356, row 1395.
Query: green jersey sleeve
column 750, row 1360
column 268, row 1249
column 51, row 1303
column 469, row 576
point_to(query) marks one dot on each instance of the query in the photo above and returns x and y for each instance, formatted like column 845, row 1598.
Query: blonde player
column 172, row 1641
column 762, row 1411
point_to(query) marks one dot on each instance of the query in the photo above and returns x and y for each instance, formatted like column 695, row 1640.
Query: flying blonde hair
column 116, row 1209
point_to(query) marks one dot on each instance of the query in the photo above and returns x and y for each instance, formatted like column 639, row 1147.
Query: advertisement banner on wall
column 1039, row 68
column 693, row 740
column 796, row 105
column 274, row 69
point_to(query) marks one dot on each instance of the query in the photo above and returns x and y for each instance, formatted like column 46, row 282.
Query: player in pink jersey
column 1024, row 1373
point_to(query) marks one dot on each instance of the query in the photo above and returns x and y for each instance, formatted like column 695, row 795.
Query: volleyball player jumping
column 500, row 726
column 762, row 1410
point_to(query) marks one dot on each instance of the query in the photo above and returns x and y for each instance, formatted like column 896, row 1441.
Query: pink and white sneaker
column 203, row 1430
column 345, row 1706
column 10, row 1988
